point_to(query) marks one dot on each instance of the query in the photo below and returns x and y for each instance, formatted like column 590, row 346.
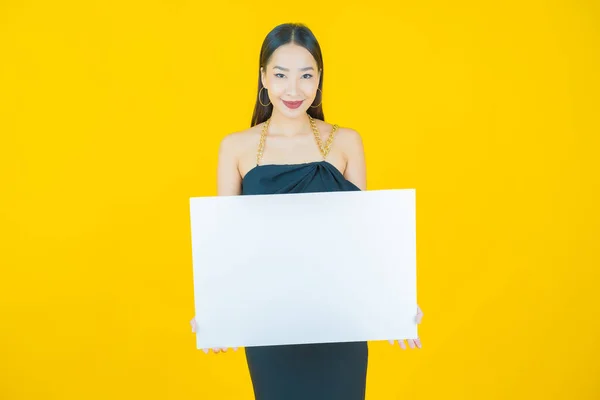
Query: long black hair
column 300, row 35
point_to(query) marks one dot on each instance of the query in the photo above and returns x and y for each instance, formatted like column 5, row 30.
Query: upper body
column 290, row 76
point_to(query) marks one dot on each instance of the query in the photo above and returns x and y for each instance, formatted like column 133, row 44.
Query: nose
column 291, row 89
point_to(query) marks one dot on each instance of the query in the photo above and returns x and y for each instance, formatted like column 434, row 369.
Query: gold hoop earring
column 321, row 99
column 259, row 96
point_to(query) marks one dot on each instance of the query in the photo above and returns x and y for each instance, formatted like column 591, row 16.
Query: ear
column 262, row 76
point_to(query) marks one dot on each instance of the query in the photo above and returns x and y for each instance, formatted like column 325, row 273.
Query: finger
column 216, row 350
column 419, row 314
column 205, row 351
column 391, row 342
column 235, row 349
column 418, row 343
column 402, row 344
column 224, row 349
column 411, row 343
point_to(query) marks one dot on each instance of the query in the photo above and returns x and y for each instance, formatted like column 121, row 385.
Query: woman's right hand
column 216, row 349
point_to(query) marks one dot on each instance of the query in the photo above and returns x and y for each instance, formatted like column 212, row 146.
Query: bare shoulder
column 233, row 150
column 239, row 142
column 349, row 141
column 343, row 135
column 349, row 136
column 240, row 138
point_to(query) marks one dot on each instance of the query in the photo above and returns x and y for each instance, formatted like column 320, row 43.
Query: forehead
column 292, row 55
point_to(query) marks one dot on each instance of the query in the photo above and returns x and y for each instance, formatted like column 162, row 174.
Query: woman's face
column 291, row 79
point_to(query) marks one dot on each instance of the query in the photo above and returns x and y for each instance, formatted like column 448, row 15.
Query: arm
column 229, row 181
column 355, row 170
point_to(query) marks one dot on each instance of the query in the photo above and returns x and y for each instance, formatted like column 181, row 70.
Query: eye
column 277, row 75
column 309, row 76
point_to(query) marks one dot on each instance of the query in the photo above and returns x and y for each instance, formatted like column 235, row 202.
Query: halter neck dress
column 332, row 371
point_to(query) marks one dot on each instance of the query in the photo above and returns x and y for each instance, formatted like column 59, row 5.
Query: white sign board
column 304, row 268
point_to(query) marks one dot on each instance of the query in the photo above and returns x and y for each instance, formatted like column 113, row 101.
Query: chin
column 296, row 112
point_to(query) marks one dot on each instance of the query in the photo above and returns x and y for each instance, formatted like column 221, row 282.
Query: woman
column 289, row 148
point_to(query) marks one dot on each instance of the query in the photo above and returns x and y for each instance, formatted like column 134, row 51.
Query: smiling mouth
column 293, row 104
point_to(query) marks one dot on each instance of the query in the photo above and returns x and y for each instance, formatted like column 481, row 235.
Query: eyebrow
column 299, row 69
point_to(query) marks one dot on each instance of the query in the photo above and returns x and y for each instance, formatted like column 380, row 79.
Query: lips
column 292, row 104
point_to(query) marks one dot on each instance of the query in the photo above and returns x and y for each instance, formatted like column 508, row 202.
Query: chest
column 294, row 150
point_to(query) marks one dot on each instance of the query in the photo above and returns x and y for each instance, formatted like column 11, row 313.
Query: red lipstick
column 293, row 104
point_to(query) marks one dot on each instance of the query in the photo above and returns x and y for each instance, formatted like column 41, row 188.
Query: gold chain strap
column 324, row 149
column 261, row 145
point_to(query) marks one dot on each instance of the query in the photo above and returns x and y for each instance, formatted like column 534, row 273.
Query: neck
column 283, row 125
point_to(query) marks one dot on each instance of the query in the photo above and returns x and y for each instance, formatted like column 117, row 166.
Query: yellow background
column 110, row 117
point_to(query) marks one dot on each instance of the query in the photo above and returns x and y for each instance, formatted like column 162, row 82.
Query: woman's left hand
column 411, row 342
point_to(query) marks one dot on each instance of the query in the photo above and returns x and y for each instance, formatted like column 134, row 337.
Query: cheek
column 277, row 88
column 309, row 87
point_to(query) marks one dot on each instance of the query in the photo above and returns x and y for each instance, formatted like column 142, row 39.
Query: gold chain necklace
column 324, row 149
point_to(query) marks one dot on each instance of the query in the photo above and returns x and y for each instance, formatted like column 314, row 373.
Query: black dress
column 322, row 371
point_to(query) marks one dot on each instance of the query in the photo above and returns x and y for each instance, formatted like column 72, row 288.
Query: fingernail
column 391, row 342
